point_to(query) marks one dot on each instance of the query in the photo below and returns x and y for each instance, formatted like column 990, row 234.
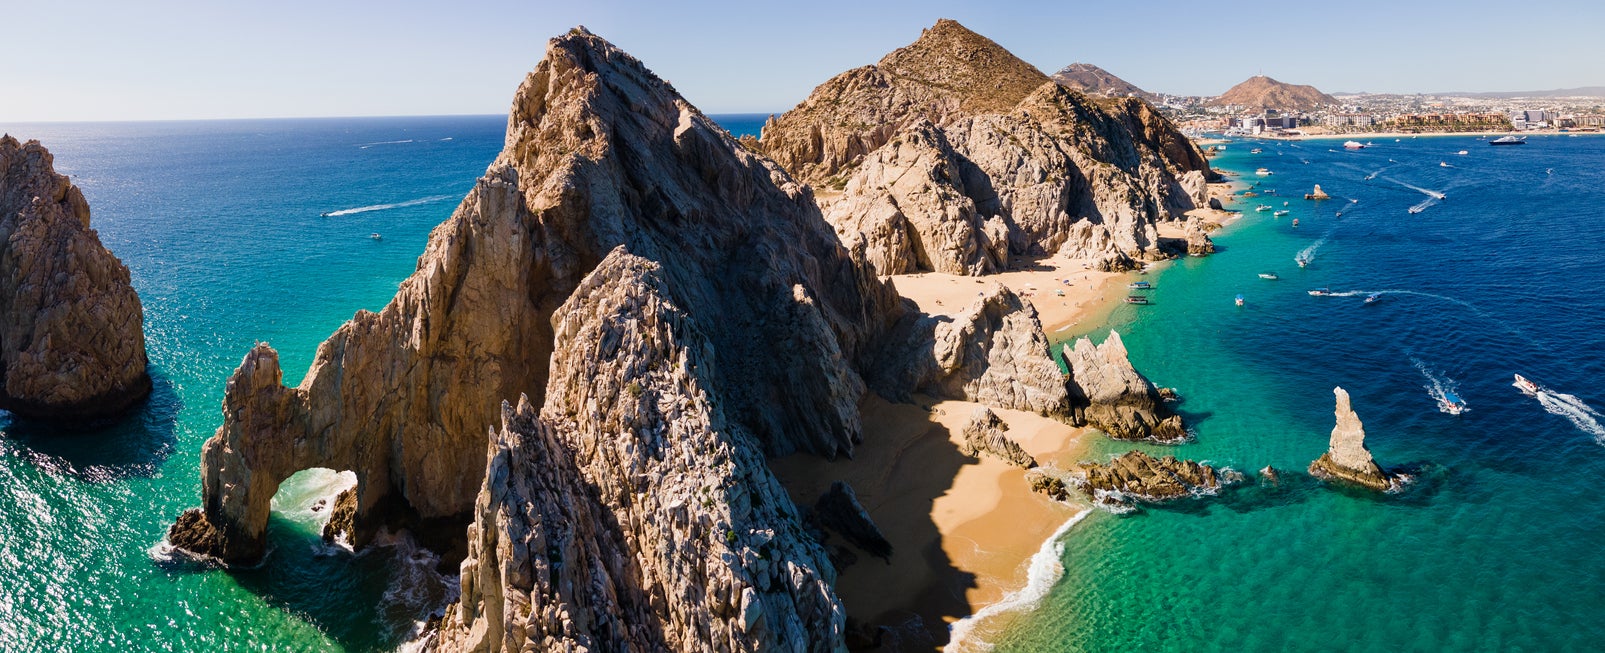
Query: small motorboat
column 1295, row 222
column 1353, row 145
column 1509, row 140
column 1239, row 300
column 1268, row 275
column 1444, row 164
column 1255, row 151
column 1321, row 292
column 1136, row 299
column 1451, row 403
column 1373, row 298
column 376, row 236
column 1262, row 208
column 1140, row 285
column 1303, row 262
column 1416, row 209
column 1524, row 385
column 1462, row 153
column 1263, row 172
column 1281, row 213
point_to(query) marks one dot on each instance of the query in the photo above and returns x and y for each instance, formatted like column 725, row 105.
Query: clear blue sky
column 161, row 59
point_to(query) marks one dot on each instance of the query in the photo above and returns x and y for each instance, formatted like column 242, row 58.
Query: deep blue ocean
column 1496, row 544
column 245, row 231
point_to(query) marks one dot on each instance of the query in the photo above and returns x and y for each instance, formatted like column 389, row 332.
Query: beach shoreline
column 965, row 532
column 1401, row 135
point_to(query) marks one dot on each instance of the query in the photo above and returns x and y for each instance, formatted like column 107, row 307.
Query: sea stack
column 1107, row 393
column 72, row 340
column 1347, row 459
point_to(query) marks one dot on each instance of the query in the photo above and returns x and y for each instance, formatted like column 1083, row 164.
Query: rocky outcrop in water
column 72, row 340
column 987, row 433
column 631, row 513
column 599, row 153
column 1137, row 477
column 1107, row 393
column 342, row 517
column 1347, row 460
column 956, row 130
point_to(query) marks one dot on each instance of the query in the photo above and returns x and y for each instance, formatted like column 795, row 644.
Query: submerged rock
column 1107, row 393
column 72, row 340
column 1347, row 459
column 987, row 433
column 839, row 510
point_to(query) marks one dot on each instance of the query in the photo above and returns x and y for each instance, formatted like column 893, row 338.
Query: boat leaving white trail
column 365, row 146
column 386, row 207
column 1422, row 206
column 1576, row 411
column 1429, row 193
column 1440, row 388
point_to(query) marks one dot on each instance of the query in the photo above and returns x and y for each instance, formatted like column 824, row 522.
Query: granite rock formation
column 1137, row 477
column 1093, row 80
column 839, row 510
column 1261, row 92
column 1107, row 393
column 987, row 433
column 599, row 153
column 1018, row 155
column 993, row 352
column 1347, row 459
column 72, row 340
column 631, row 513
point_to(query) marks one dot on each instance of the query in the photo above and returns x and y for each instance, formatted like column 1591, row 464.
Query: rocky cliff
column 1347, row 459
column 951, row 147
column 631, row 514
column 987, row 433
column 1107, row 393
column 72, row 340
column 599, row 153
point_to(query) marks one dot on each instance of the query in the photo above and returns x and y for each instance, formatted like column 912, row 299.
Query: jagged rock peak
column 987, row 433
column 1107, row 393
column 631, row 514
column 1347, row 458
column 982, row 75
column 599, row 153
column 72, row 340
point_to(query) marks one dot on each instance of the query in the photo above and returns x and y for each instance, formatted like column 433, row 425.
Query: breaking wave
column 1045, row 570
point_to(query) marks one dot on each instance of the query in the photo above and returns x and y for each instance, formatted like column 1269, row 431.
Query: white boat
column 1281, row 213
column 1444, row 164
column 1373, row 297
column 1462, row 153
column 1263, row 172
column 1254, row 151
column 1353, row 145
column 1321, row 292
column 375, row 236
column 1262, row 208
column 1451, row 403
column 1524, row 385
column 1268, row 275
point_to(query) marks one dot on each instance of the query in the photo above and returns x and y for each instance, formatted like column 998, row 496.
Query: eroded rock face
column 72, row 340
column 599, row 153
column 1107, row 393
column 839, row 510
column 1015, row 154
column 1138, row 477
column 1347, row 459
column 994, row 352
column 631, row 514
column 987, row 433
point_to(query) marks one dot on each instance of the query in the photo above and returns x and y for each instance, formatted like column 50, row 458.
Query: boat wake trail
column 365, row 146
column 1307, row 255
column 1576, row 411
column 1045, row 570
column 1429, row 193
column 386, row 207
column 1438, row 386
column 1423, row 205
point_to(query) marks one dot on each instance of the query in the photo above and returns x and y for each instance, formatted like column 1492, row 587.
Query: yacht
column 1353, row 145
column 1509, row 140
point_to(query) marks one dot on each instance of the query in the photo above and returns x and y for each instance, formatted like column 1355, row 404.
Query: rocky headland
column 1109, row 394
column 1347, row 460
column 953, row 155
column 72, row 340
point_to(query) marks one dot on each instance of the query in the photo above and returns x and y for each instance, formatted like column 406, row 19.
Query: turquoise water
column 234, row 232
column 1495, row 547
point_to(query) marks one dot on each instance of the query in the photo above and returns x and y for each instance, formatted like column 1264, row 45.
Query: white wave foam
column 416, row 591
column 1580, row 414
column 1439, row 386
column 365, row 146
column 386, row 207
column 1429, row 193
column 1045, row 569
column 1307, row 254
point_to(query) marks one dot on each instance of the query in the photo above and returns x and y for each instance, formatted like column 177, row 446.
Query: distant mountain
column 1093, row 80
column 1262, row 92
column 1583, row 91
